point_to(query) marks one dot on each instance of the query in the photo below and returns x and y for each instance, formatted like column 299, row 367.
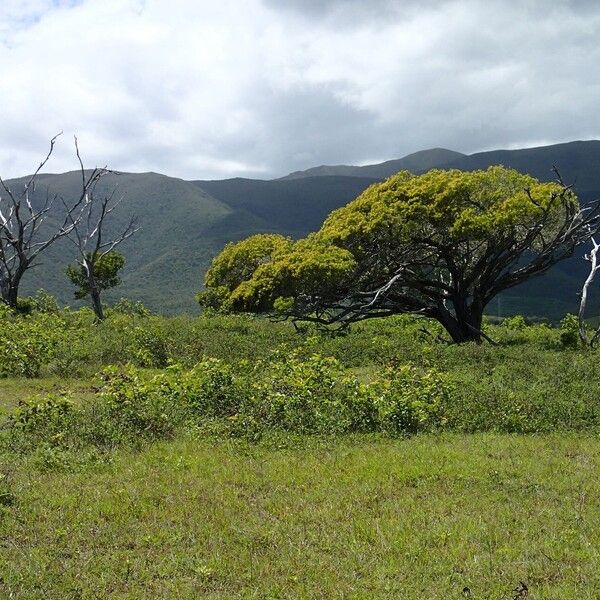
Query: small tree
column 106, row 269
column 440, row 245
column 28, row 228
column 98, row 264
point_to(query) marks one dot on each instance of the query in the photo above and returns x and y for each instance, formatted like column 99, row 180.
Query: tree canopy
column 440, row 245
column 106, row 268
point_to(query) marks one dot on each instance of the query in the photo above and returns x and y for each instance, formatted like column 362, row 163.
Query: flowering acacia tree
column 440, row 245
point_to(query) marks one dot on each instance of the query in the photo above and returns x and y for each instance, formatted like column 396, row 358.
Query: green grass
column 426, row 517
column 192, row 513
column 15, row 389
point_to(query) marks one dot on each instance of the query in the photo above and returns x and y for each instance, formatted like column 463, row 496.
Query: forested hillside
column 184, row 224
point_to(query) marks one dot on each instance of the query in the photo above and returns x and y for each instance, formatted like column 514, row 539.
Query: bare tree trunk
column 94, row 290
column 10, row 293
column 593, row 258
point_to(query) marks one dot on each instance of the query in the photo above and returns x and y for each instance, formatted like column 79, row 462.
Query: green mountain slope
column 165, row 258
column 293, row 207
column 184, row 224
column 418, row 162
column 578, row 162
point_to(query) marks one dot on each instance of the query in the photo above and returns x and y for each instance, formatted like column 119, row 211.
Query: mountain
column 418, row 162
column 578, row 162
column 294, row 206
column 185, row 223
column 165, row 258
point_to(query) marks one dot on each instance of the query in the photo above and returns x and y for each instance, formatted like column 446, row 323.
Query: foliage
column 106, row 272
column 132, row 308
column 411, row 401
column 442, row 245
column 246, row 377
column 131, row 456
column 43, row 413
column 303, row 395
column 569, row 332
column 28, row 343
column 236, row 264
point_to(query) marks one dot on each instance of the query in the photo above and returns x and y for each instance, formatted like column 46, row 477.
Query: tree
column 235, row 264
column 106, row 269
column 440, row 245
column 97, row 264
column 27, row 229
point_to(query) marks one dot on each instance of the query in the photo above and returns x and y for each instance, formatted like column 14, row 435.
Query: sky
column 203, row 89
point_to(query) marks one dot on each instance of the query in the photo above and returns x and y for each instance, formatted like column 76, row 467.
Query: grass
column 430, row 517
column 463, row 514
column 15, row 389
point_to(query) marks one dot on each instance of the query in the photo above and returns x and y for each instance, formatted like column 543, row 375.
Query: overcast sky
column 220, row 88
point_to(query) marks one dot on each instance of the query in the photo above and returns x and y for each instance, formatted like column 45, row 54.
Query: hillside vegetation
column 228, row 456
column 185, row 224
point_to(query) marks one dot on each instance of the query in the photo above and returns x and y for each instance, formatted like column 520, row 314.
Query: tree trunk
column 97, row 303
column 10, row 292
column 464, row 325
column 12, row 296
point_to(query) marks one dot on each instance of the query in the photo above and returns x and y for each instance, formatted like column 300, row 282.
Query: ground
column 450, row 516
column 496, row 498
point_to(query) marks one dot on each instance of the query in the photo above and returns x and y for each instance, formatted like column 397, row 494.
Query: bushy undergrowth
column 304, row 395
column 67, row 343
column 239, row 376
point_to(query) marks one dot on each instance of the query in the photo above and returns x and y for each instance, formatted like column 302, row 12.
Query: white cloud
column 205, row 89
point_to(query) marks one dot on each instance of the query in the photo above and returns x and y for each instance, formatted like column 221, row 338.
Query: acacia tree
column 440, row 245
column 28, row 228
column 98, row 263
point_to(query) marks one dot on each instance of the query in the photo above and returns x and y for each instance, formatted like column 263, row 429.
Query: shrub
column 516, row 323
column 208, row 390
column 569, row 332
column 411, row 400
column 293, row 394
column 28, row 343
column 130, row 407
column 132, row 308
column 42, row 420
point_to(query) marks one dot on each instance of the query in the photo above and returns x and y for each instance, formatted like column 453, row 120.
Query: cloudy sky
column 213, row 89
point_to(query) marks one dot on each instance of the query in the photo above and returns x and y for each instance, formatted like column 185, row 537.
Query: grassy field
column 452, row 516
column 228, row 457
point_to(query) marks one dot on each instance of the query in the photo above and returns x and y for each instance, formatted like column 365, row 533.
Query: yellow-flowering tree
column 440, row 245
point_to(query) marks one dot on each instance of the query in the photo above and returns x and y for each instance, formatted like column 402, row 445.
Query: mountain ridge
column 184, row 224
column 416, row 161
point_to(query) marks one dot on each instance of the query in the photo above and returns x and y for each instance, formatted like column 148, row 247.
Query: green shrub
column 303, row 395
column 130, row 407
column 28, row 343
column 569, row 332
column 208, row 390
column 412, row 400
column 132, row 308
column 42, row 420
column 516, row 323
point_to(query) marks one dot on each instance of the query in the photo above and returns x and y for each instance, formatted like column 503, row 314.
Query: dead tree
column 26, row 230
column 88, row 233
column 592, row 257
